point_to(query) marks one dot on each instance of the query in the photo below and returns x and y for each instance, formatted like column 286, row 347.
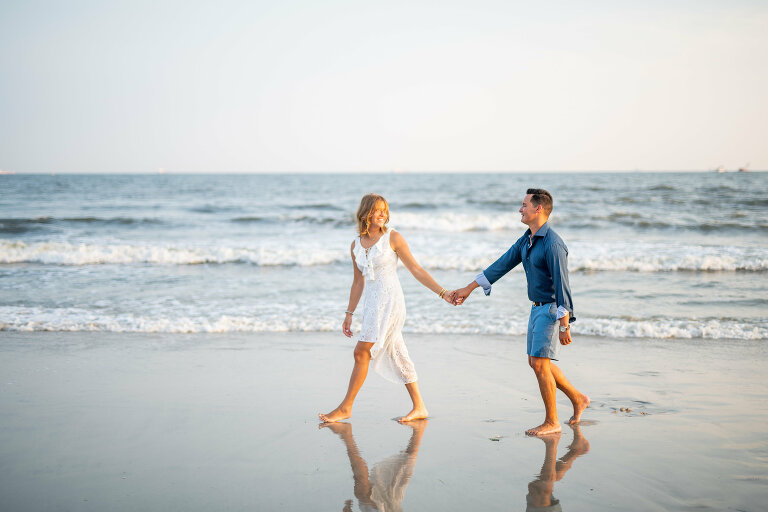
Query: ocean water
column 669, row 255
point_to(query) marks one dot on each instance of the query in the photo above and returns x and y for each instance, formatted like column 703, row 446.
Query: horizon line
column 391, row 171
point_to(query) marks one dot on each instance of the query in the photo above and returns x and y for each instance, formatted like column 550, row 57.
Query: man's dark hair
column 539, row 196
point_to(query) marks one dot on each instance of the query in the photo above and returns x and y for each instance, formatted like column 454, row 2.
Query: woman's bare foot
column 337, row 414
column 342, row 429
column 417, row 413
column 578, row 408
column 544, row 429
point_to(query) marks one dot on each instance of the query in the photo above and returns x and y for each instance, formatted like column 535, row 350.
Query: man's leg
column 540, row 490
column 579, row 400
column 542, row 346
column 548, row 387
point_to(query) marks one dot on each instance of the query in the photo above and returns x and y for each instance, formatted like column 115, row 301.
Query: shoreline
column 129, row 421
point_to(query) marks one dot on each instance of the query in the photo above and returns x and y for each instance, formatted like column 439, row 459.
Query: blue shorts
column 543, row 334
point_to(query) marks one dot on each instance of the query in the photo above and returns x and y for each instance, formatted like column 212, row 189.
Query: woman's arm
column 355, row 292
column 400, row 246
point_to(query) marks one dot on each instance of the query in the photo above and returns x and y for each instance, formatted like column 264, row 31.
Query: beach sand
column 111, row 421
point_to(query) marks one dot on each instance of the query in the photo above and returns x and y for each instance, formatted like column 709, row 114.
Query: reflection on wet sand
column 540, row 497
column 383, row 487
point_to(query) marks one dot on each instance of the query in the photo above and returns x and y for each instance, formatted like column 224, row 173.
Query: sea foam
column 15, row 318
column 62, row 253
column 583, row 256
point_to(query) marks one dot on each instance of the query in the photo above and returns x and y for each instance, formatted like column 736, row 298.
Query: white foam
column 14, row 318
column 665, row 257
column 673, row 328
column 78, row 319
column 583, row 256
column 451, row 222
column 623, row 256
column 57, row 253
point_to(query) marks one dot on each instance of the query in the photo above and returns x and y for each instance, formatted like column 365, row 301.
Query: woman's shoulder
column 395, row 238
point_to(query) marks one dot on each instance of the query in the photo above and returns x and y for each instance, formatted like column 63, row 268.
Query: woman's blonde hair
column 365, row 211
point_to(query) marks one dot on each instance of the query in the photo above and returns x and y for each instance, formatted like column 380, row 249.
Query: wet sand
column 95, row 421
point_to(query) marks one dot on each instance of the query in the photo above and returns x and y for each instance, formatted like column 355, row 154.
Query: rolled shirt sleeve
column 483, row 281
column 500, row 267
column 557, row 262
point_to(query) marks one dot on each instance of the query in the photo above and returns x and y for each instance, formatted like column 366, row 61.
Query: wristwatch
column 564, row 328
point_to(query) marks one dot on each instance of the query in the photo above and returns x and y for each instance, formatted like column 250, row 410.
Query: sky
column 356, row 86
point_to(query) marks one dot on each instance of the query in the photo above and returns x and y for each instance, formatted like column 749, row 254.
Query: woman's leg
column 419, row 411
column 360, row 473
column 359, row 372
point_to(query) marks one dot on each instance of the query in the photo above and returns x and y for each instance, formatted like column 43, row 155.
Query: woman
column 374, row 259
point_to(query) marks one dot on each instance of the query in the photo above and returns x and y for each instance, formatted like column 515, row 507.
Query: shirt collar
column 543, row 230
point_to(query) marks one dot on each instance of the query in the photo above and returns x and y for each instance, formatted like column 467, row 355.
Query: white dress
column 384, row 311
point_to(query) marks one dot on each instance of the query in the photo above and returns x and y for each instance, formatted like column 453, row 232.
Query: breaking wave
column 14, row 318
column 585, row 256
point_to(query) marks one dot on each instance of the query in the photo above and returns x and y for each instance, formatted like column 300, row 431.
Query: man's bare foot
column 578, row 408
column 337, row 414
column 580, row 445
column 544, row 429
column 551, row 439
column 419, row 413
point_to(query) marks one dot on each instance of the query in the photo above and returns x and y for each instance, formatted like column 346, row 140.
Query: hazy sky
column 250, row 86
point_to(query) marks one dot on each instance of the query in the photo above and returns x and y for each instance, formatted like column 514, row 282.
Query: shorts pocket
column 553, row 311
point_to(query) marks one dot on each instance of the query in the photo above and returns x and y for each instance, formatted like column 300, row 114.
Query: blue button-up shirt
column 545, row 259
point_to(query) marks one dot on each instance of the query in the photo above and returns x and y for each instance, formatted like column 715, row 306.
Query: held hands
column 459, row 296
column 456, row 297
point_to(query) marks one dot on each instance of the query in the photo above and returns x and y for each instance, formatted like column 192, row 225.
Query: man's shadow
column 540, row 497
column 383, row 486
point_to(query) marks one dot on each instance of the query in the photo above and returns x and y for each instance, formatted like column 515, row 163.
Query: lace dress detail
column 384, row 311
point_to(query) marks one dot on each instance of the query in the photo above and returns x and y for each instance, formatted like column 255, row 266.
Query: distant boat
column 7, row 172
column 744, row 169
column 720, row 169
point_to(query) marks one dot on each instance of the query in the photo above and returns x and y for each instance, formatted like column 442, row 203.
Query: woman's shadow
column 383, row 486
column 540, row 497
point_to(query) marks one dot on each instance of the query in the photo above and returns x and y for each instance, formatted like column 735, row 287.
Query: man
column 544, row 258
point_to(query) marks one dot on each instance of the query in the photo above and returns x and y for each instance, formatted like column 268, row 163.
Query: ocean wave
column 212, row 208
column 423, row 217
column 641, row 223
column 509, row 220
column 32, row 319
column 23, row 225
column 628, row 257
column 318, row 206
column 456, row 222
column 57, row 253
column 667, row 257
column 14, row 318
column 673, row 328
column 584, row 256
column 337, row 221
column 413, row 205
